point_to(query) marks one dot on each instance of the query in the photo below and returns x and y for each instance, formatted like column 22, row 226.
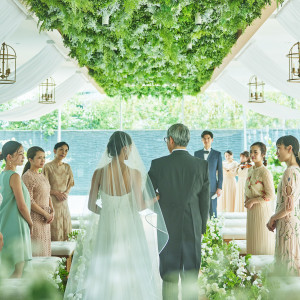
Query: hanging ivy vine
column 150, row 47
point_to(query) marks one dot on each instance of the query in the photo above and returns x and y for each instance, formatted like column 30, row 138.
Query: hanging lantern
column 198, row 19
column 47, row 92
column 105, row 19
column 7, row 64
column 256, row 90
column 294, row 63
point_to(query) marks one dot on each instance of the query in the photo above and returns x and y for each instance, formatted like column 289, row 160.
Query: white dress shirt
column 179, row 150
column 206, row 154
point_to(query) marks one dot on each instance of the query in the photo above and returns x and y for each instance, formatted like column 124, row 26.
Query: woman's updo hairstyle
column 229, row 152
column 31, row 153
column 60, row 144
column 263, row 150
column 289, row 140
column 10, row 147
column 247, row 155
column 117, row 141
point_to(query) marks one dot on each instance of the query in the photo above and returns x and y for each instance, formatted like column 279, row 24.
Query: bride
column 116, row 256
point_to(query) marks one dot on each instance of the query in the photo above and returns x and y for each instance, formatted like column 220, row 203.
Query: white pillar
column 121, row 117
column 245, row 127
column 182, row 110
column 59, row 126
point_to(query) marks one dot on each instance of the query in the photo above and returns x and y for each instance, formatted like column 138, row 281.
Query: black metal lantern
column 256, row 90
column 47, row 92
column 294, row 63
column 7, row 64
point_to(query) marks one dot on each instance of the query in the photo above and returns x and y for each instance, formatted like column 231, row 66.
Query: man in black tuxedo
column 215, row 168
column 182, row 184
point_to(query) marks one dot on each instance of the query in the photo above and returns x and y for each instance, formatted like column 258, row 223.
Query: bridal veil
column 117, row 251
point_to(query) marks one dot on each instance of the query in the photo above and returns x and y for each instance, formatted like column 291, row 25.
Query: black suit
column 183, row 186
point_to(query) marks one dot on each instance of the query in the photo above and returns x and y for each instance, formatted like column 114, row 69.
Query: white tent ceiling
column 39, row 56
column 264, row 55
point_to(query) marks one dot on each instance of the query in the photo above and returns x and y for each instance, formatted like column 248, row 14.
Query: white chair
column 45, row 264
column 233, row 233
column 241, row 223
column 63, row 249
column 233, row 215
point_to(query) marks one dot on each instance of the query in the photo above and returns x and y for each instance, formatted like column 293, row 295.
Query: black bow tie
column 206, row 152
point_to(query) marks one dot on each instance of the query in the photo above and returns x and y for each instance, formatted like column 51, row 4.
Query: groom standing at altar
column 182, row 183
column 215, row 167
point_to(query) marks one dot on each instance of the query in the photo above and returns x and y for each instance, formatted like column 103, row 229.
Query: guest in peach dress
column 286, row 220
column 229, row 182
column 259, row 194
column 61, row 180
column 242, row 173
column 42, row 212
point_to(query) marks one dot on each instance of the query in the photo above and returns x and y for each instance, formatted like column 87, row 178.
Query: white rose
column 215, row 287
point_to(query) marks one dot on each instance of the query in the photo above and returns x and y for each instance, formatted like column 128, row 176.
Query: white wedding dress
column 116, row 257
column 126, row 265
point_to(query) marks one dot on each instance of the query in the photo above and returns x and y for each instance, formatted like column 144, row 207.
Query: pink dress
column 39, row 190
column 287, row 250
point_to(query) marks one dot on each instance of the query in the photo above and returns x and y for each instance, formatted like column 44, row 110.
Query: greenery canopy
column 150, row 47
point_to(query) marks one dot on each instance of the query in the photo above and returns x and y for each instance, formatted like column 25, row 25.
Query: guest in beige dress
column 229, row 182
column 61, row 180
column 242, row 173
column 286, row 220
column 42, row 212
column 259, row 194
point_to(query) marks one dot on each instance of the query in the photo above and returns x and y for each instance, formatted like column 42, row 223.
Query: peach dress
column 242, row 173
column 229, row 186
column 287, row 250
column 39, row 191
column 61, row 179
column 259, row 184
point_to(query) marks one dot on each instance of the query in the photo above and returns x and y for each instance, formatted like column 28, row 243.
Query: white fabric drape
column 34, row 110
column 32, row 73
column 268, row 70
column 289, row 17
column 10, row 19
column 241, row 94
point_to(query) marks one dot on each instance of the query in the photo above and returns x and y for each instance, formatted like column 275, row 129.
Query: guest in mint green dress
column 15, row 220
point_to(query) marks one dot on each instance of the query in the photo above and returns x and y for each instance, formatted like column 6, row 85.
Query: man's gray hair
column 180, row 134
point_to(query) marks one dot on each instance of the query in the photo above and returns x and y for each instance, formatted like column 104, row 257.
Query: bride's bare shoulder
column 135, row 173
column 98, row 173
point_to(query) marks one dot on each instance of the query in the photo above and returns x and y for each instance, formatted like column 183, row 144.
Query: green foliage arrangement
column 224, row 274
column 150, row 47
column 72, row 236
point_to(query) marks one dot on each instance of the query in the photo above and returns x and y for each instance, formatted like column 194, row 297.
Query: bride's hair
column 117, row 141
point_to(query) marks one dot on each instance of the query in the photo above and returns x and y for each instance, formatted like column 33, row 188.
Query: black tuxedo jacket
column 183, row 185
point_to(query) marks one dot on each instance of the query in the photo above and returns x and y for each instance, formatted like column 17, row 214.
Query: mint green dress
column 15, row 229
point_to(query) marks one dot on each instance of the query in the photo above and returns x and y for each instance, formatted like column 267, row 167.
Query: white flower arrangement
column 225, row 275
